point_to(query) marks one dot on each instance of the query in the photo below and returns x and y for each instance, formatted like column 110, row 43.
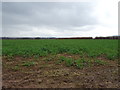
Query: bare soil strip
column 46, row 73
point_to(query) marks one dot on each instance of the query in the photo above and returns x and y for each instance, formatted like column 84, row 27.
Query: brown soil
column 49, row 74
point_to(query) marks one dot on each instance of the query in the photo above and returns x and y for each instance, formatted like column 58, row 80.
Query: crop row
column 90, row 48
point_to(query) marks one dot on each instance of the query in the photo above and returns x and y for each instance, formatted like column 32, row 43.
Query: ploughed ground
column 47, row 73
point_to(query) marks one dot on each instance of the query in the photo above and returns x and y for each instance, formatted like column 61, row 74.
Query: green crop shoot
column 28, row 63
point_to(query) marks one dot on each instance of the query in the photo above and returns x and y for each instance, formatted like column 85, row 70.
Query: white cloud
column 106, row 11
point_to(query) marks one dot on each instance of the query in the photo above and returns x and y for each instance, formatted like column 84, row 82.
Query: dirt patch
column 45, row 73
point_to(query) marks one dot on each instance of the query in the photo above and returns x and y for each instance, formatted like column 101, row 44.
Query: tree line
column 108, row 37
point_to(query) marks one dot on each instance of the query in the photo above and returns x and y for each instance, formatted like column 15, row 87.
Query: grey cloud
column 62, row 16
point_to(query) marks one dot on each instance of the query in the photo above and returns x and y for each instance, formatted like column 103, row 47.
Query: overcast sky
column 60, row 19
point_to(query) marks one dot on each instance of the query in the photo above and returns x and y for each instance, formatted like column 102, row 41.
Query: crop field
column 60, row 63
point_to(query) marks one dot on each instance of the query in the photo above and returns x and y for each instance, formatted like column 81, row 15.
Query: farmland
column 61, row 63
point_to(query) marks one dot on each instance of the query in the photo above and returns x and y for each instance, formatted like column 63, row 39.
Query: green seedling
column 89, row 63
column 28, row 63
column 36, row 58
column 62, row 58
column 100, row 62
column 10, row 57
column 58, row 62
column 50, row 58
column 69, row 62
column 16, row 68
column 79, row 63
